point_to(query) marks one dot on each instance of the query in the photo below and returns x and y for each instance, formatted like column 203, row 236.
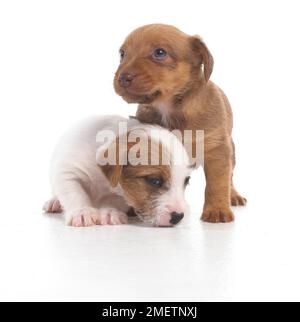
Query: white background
column 57, row 62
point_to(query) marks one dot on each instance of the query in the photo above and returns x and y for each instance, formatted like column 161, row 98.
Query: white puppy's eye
column 155, row 181
column 187, row 181
column 160, row 53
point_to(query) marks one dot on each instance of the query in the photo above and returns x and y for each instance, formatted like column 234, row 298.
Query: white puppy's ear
column 108, row 161
column 111, row 159
column 112, row 173
column 203, row 55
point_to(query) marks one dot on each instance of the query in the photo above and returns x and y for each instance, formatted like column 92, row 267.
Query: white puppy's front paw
column 112, row 216
column 83, row 217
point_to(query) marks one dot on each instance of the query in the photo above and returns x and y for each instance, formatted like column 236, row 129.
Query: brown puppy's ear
column 203, row 55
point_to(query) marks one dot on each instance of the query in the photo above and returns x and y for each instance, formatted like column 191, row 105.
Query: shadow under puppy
column 167, row 72
column 93, row 191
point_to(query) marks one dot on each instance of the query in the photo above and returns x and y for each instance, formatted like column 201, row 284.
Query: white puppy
column 91, row 192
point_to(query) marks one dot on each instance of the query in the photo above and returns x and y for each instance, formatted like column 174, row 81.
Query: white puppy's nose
column 176, row 218
column 170, row 220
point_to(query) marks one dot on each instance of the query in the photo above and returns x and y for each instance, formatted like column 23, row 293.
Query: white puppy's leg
column 76, row 202
column 79, row 210
column 113, row 210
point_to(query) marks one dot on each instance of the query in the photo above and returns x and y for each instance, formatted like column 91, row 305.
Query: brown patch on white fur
column 176, row 93
column 131, row 178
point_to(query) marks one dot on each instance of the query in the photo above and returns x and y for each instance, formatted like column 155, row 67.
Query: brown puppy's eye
column 155, row 181
column 159, row 53
column 187, row 181
column 122, row 54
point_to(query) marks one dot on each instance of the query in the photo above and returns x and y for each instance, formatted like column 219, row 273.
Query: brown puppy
column 167, row 72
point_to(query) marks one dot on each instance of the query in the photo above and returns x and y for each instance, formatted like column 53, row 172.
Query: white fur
column 76, row 179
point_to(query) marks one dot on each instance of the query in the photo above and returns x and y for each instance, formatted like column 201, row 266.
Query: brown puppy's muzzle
column 125, row 79
column 135, row 87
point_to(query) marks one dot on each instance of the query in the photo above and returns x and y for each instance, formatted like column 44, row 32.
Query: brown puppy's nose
column 125, row 79
column 176, row 218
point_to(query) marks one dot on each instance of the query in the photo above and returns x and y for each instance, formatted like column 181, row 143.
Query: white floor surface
column 255, row 258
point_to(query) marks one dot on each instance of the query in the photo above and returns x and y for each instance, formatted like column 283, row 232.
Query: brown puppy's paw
column 237, row 199
column 52, row 206
column 217, row 215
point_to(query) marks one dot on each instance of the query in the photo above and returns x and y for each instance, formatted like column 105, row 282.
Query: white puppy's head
column 152, row 173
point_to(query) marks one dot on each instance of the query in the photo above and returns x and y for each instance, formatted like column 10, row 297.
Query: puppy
column 167, row 72
column 93, row 191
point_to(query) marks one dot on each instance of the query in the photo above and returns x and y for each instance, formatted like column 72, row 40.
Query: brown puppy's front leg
column 218, row 171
